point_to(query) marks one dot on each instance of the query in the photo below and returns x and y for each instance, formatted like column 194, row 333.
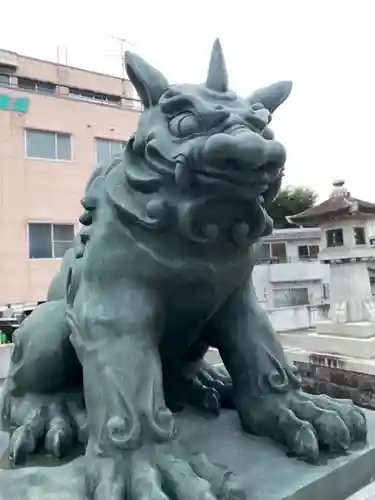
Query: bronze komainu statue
column 161, row 271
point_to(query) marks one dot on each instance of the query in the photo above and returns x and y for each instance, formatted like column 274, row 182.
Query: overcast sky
column 327, row 47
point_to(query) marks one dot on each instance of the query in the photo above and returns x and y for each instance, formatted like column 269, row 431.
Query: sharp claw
column 23, row 442
column 304, row 444
column 231, row 491
column 211, row 401
column 81, row 427
column 353, row 416
column 210, row 380
column 342, row 446
column 53, row 443
column 83, row 433
column 219, row 383
column 359, row 425
column 215, row 378
column 17, row 451
column 58, row 441
column 332, row 431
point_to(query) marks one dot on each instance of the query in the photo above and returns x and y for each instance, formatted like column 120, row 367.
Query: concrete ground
column 367, row 493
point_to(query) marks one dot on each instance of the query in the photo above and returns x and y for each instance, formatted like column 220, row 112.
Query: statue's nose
column 244, row 147
column 276, row 153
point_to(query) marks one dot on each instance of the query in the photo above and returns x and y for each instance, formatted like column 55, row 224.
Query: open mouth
column 241, row 175
column 237, row 163
column 236, row 128
column 231, row 183
column 232, row 129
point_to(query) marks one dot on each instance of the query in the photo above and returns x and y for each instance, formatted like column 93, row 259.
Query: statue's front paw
column 157, row 473
column 305, row 423
column 54, row 423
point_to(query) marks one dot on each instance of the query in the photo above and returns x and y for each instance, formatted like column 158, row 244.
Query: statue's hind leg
column 42, row 399
column 197, row 383
column 266, row 390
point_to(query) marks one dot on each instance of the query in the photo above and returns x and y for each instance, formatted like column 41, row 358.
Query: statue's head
column 205, row 138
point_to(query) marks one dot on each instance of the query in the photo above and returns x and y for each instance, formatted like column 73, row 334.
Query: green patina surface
column 161, row 272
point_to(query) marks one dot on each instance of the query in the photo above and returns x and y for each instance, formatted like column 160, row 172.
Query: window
column 303, row 252
column 279, row 251
column 335, row 238
column 36, row 85
column 106, row 149
column 359, row 235
column 291, row 297
column 91, row 96
column 50, row 241
column 272, row 252
column 308, row 252
column 325, row 291
column 265, row 252
column 4, row 80
column 48, row 145
column 314, row 251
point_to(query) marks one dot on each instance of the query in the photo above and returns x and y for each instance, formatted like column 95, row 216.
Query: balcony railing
column 286, row 260
column 292, row 318
column 124, row 101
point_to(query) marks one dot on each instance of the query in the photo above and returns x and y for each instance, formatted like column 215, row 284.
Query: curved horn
column 217, row 78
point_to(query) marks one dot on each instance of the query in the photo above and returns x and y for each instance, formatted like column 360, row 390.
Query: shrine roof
column 339, row 205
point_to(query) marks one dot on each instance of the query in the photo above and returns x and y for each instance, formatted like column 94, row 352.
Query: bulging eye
column 184, row 124
column 258, row 118
column 268, row 134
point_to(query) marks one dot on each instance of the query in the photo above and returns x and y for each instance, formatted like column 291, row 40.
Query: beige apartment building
column 56, row 124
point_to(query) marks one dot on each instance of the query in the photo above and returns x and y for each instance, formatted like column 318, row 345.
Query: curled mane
column 90, row 202
column 136, row 187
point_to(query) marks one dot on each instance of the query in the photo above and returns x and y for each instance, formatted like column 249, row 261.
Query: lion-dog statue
column 160, row 272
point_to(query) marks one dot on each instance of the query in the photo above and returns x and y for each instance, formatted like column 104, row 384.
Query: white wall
column 262, row 283
column 299, row 271
column 349, row 248
column 310, row 275
column 285, row 319
column 370, row 228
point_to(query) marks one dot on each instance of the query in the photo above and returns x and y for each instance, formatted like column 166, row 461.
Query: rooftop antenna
column 58, row 60
column 123, row 42
column 58, row 52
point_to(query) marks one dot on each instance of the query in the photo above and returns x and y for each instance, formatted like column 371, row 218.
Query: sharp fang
column 182, row 175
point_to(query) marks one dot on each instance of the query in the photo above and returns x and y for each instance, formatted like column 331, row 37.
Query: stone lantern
column 347, row 225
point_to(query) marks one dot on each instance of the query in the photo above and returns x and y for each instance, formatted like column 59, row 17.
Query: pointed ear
column 149, row 83
column 272, row 96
